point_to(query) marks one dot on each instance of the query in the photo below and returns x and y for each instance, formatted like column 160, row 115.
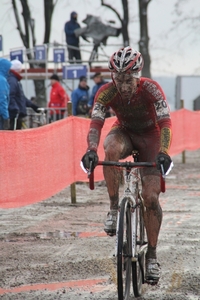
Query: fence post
column 183, row 153
column 73, row 185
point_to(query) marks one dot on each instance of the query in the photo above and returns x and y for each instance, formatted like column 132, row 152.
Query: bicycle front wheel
column 141, row 245
column 124, row 250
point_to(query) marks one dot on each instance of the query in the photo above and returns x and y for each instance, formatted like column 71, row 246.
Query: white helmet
column 126, row 60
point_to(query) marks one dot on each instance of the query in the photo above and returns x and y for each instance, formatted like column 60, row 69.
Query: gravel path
column 56, row 250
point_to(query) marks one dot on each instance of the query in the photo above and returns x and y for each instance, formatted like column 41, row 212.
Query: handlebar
column 127, row 164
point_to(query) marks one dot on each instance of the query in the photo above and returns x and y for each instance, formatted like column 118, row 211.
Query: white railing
column 45, row 116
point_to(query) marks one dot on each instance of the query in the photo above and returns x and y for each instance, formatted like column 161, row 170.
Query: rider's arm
column 165, row 139
column 162, row 112
column 164, row 122
column 97, row 122
column 102, row 98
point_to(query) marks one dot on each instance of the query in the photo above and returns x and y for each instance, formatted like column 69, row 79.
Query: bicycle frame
column 130, row 191
column 130, row 243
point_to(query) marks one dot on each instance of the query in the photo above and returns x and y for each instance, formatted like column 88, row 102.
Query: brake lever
column 91, row 176
column 162, row 178
column 162, row 171
column 90, row 170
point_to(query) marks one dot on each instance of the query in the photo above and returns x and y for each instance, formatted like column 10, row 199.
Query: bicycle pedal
column 134, row 259
column 141, row 244
column 151, row 282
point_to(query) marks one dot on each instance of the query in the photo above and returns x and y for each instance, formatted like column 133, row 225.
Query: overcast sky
column 174, row 51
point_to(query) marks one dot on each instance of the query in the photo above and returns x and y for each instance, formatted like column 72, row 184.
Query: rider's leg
column 116, row 146
column 153, row 211
column 153, row 220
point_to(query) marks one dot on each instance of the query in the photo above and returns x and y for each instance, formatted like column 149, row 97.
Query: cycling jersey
column 146, row 110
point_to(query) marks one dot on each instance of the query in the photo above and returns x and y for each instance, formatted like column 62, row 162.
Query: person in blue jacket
column 18, row 101
column 80, row 98
column 71, row 38
column 4, row 93
column 99, row 81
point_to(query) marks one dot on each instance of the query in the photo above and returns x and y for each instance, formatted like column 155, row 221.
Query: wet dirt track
column 56, row 250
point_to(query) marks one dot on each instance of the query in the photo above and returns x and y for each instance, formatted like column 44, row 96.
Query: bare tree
column 27, row 34
column 144, row 38
column 124, row 21
column 187, row 15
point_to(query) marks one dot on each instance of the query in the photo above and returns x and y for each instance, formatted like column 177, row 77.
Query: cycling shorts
column 146, row 143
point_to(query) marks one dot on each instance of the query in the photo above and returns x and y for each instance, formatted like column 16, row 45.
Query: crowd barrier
column 38, row 163
column 46, row 115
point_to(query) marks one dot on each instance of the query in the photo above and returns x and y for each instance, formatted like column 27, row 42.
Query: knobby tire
column 124, row 251
column 138, row 266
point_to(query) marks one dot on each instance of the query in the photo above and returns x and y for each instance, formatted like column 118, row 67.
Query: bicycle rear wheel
column 141, row 245
column 124, row 250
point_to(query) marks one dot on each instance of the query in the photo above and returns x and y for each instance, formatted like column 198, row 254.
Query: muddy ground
column 56, row 250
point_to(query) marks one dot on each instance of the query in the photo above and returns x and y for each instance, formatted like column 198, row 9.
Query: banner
column 38, row 163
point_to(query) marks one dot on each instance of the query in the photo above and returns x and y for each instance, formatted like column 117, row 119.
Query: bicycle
column 131, row 241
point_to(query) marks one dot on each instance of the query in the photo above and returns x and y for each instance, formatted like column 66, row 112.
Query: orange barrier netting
column 38, row 163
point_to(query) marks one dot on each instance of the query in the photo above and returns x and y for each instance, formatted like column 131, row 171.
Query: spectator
column 99, row 81
column 18, row 101
column 72, row 40
column 80, row 98
column 4, row 93
column 58, row 99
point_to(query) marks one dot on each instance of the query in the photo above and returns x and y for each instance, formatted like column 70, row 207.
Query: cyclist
column 143, row 123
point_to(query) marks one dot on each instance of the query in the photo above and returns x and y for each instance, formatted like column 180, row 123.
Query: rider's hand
column 165, row 160
column 90, row 156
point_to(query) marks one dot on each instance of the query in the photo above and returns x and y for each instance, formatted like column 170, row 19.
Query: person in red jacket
column 58, row 99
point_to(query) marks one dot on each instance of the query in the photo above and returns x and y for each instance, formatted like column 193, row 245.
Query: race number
column 162, row 109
